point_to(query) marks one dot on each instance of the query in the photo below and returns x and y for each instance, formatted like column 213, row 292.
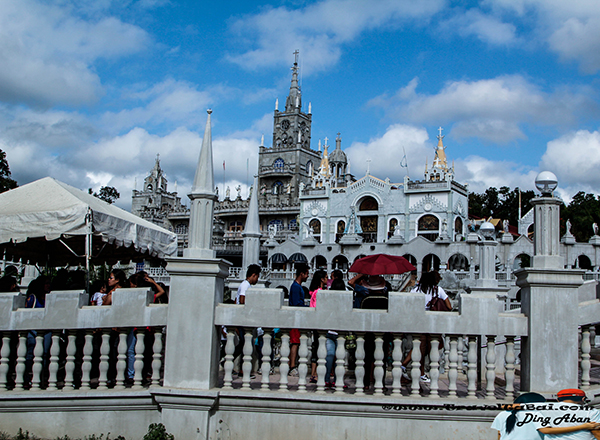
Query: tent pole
column 88, row 249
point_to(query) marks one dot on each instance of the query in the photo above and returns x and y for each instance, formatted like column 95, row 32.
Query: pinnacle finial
column 209, row 111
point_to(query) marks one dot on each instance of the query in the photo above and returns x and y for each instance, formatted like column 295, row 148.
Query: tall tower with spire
column 290, row 160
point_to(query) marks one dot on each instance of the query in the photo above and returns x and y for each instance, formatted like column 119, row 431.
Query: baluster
column 321, row 363
column 397, row 365
column 229, row 350
column 359, row 369
column 157, row 356
column 284, row 361
column 302, row 361
column 460, row 358
column 86, row 367
column 4, row 357
column 379, row 373
column 138, row 365
column 70, row 361
column 510, row 366
column 472, row 367
column 586, row 348
column 121, row 360
column 490, row 374
column 20, row 368
column 340, row 361
column 266, row 360
column 415, row 371
column 103, row 367
column 453, row 366
column 434, row 367
column 247, row 360
column 38, row 359
column 53, row 362
column 445, row 354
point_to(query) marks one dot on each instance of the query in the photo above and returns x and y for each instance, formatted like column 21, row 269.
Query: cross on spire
column 296, row 52
column 368, row 166
column 440, row 131
column 326, row 139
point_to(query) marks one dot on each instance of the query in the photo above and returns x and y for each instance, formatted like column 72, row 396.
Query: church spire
column 202, row 199
column 294, row 99
column 439, row 161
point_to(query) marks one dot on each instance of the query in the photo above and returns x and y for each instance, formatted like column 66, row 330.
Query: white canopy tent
column 49, row 222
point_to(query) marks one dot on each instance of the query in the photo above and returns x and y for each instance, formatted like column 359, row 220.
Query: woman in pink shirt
column 319, row 282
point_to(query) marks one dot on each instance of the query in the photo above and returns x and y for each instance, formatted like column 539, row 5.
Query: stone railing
column 405, row 315
column 70, row 345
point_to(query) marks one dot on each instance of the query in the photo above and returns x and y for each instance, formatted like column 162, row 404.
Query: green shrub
column 157, row 431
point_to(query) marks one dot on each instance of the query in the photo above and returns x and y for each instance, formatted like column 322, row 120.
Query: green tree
column 583, row 211
column 107, row 193
column 500, row 203
column 6, row 182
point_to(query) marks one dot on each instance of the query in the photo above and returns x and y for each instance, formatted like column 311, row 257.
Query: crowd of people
column 369, row 291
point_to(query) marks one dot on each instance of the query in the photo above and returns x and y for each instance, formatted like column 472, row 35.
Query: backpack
column 437, row 304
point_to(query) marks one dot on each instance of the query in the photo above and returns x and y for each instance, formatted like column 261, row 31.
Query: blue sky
column 92, row 90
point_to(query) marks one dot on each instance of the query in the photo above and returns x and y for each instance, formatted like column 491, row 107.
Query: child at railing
column 99, row 287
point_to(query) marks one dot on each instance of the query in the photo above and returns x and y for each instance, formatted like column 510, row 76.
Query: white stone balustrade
column 85, row 342
column 478, row 316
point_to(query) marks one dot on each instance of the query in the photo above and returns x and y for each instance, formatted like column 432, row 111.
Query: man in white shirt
column 252, row 275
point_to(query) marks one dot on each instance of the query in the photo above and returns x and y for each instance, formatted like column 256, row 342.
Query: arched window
column 392, row 227
column 429, row 227
column 315, row 226
column 293, row 225
column 278, row 224
column 278, row 164
column 521, row 261
column 458, row 262
column 340, row 262
column 339, row 230
column 368, row 204
column 309, row 168
column 278, row 187
column 458, row 226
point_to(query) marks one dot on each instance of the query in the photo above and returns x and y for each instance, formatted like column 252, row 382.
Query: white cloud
column 488, row 28
column 47, row 52
column 319, row 30
column 491, row 109
column 575, row 160
column 571, row 29
column 386, row 153
column 481, row 173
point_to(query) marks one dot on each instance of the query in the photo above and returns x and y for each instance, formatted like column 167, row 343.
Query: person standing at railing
column 296, row 299
column 36, row 298
column 252, row 275
column 428, row 285
column 318, row 283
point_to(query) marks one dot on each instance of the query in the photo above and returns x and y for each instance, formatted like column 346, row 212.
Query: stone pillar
column 549, row 298
column 487, row 264
column 193, row 341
